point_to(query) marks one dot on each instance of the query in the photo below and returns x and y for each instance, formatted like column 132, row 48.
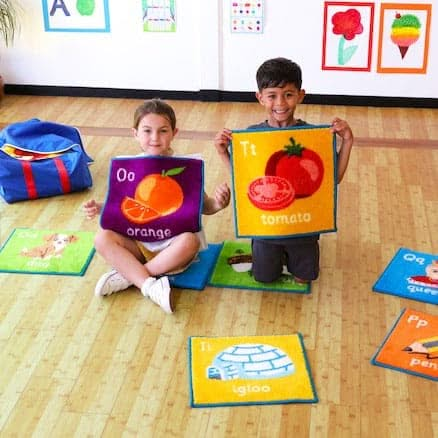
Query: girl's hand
column 91, row 208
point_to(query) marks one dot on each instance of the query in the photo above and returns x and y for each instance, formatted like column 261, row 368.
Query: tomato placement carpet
column 410, row 274
column 233, row 270
column 284, row 181
column 29, row 251
column 249, row 370
column 411, row 346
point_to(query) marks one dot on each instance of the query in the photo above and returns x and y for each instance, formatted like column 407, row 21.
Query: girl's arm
column 219, row 201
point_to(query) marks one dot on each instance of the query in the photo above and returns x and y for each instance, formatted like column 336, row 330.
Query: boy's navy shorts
column 300, row 255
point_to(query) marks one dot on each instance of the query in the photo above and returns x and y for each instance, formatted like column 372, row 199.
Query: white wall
column 202, row 54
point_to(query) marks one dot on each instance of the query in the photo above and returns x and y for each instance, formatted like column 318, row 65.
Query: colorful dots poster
column 247, row 17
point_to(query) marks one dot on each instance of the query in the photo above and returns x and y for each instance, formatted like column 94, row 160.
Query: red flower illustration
column 347, row 23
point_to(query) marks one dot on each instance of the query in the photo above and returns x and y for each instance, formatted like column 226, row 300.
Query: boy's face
column 155, row 134
column 280, row 104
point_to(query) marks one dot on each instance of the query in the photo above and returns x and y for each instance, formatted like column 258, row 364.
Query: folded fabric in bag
column 40, row 159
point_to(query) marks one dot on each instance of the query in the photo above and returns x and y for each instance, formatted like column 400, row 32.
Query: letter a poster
column 154, row 198
column 284, row 181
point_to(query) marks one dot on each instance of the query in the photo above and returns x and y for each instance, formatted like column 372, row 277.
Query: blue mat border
column 374, row 360
column 80, row 273
column 378, row 289
column 273, row 402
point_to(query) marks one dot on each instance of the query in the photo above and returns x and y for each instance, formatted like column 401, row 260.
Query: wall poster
column 159, row 16
column 76, row 15
column 404, row 38
column 247, row 17
column 347, row 36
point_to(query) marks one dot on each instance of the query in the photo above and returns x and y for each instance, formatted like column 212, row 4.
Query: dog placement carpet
column 411, row 345
column 247, row 370
column 198, row 273
column 29, row 251
column 233, row 270
column 411, row 274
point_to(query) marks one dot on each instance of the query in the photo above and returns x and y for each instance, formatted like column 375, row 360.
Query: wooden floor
column 72, row 364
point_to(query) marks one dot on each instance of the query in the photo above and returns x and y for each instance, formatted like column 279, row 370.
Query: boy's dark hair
column 278, row 72
column 155, row 106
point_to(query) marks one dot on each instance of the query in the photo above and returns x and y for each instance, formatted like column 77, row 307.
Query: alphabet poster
column 76, row 15
column 154, row 198
column 284, row 181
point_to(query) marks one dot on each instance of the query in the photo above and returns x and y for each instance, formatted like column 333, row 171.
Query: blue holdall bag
column 40, row 159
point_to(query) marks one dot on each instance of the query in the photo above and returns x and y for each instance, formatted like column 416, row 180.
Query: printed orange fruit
column 161, row 192
column 137, row 212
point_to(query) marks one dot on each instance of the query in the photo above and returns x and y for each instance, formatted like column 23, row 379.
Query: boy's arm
column 221, row 142
column 219, row 201
column 342, row 128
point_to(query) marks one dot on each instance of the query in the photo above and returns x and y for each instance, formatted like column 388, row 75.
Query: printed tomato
column 302, row 167
column 271, row 193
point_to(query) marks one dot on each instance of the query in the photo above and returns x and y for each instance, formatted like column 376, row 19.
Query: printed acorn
column 301, row 166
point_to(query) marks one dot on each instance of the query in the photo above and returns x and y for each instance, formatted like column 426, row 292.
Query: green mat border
column 80, row 273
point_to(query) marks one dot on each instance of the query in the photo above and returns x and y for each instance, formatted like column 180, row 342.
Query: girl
column 140, row 263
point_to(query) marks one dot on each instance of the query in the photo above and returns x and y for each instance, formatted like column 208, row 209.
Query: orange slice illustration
column 137, row 212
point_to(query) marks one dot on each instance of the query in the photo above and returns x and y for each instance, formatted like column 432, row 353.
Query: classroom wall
column 201, row 55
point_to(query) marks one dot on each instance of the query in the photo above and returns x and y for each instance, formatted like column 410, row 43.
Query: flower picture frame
column 347, row 36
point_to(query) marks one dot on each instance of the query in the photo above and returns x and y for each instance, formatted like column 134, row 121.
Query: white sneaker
column 158, row 290
column 111, row 282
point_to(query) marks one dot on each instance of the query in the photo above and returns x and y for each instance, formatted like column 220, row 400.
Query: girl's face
column 280, row 104
column 155, row 134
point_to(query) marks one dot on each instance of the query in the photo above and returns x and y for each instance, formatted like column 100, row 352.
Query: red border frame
column 370, row 40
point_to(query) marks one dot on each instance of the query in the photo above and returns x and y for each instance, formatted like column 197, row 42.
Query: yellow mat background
column 296, row 387
column 250, row 152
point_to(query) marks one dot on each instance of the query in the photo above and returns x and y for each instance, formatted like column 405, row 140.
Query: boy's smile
column 280, row 104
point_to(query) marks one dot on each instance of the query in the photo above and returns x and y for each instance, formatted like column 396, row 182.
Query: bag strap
column 29, row 180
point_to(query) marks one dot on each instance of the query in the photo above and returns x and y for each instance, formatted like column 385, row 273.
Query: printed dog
column 54, row 246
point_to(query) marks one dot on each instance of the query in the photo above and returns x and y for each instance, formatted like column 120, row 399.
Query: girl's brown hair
column 155, row 106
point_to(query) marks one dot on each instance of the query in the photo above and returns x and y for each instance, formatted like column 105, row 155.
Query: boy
column 279, row 83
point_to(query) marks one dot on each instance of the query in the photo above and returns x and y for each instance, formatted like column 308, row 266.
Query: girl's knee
column 102, row 238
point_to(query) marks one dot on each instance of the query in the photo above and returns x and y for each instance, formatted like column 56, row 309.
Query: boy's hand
column 221, row 141
column 222, row 196
column 342, row 128
column 91, row 208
